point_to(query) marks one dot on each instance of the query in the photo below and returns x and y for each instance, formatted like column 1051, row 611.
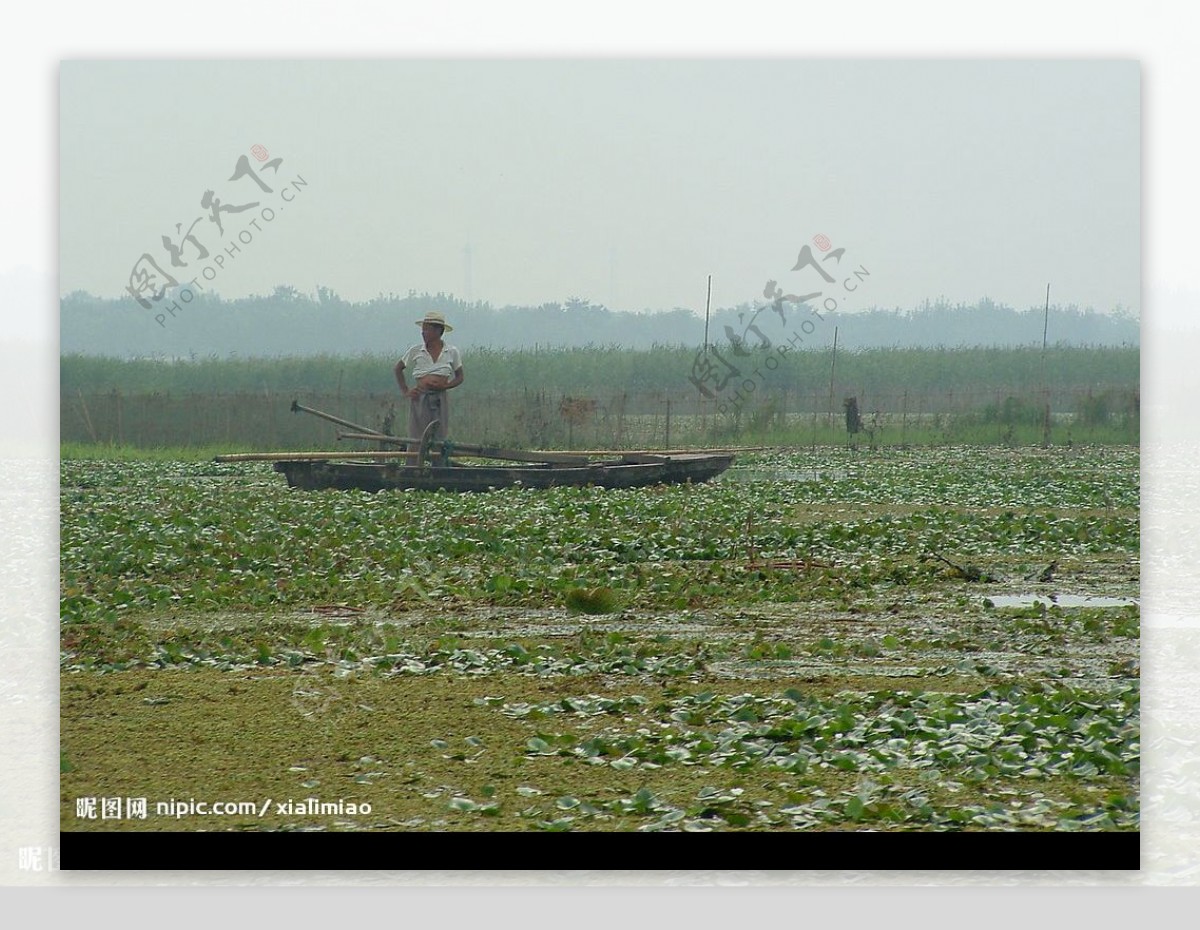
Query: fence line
column 546, row 419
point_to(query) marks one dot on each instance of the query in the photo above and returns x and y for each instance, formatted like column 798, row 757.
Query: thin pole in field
column 1045, row 391
column 1045, row 332
column 703, row 397
column 707, row 307
column 832, row 369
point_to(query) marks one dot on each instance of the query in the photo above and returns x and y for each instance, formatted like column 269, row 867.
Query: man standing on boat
column 436, row 367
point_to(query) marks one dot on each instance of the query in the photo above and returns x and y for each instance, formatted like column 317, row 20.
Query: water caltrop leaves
column 812, row 641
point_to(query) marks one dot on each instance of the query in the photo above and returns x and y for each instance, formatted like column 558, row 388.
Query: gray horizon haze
column 623, row 182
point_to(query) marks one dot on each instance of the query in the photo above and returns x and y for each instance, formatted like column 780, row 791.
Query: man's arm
column 458, row 371
column 404, row 388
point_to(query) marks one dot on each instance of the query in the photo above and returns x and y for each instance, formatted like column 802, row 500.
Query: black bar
column 857, row 851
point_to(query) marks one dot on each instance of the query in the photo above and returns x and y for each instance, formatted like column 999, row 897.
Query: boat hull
column 631, row 472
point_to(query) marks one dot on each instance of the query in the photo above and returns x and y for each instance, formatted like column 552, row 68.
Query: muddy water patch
column 1057, row 600
column 807, row 670
column 792, row 475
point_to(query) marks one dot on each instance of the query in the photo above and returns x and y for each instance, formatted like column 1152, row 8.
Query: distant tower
column 612, row 278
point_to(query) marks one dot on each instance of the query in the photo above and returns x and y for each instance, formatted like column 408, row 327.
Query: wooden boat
column 629, row 471
column 431, row 465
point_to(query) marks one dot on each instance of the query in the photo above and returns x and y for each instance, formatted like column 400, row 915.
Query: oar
column 298, row 407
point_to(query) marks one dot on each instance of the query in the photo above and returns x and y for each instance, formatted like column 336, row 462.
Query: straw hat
column 432, row 316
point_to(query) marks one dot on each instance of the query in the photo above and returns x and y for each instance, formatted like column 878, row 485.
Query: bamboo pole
column 307, row 456
column 698, row 451
column 487, row 452
column 380, row 438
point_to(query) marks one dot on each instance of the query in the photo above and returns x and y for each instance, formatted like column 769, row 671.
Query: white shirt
column 421, row 363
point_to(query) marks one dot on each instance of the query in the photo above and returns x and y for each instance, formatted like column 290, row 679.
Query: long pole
column 300, row 408
column 1045, row 333
column 1045, row 392
column 707, row 307
column 1045, row 326
column 703, row 395
column 832, row 369
column 487, row 452
column 309, row 456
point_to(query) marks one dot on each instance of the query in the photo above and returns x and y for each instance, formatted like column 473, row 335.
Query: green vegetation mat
column 819, row 640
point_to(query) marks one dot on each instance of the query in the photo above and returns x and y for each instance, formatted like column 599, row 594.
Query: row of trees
column 288, row 322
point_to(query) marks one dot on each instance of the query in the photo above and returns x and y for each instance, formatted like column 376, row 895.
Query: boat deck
column 629, row 471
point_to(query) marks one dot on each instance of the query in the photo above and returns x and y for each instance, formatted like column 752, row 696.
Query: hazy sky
column 623, row 182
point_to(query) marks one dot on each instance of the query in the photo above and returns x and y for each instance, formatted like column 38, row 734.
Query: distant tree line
column 289, row 323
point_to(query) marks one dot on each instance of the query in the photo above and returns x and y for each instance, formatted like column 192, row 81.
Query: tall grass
column 603, row 370
column 616, row 398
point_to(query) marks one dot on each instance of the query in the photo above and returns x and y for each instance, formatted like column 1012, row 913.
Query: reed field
column 615, row 398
